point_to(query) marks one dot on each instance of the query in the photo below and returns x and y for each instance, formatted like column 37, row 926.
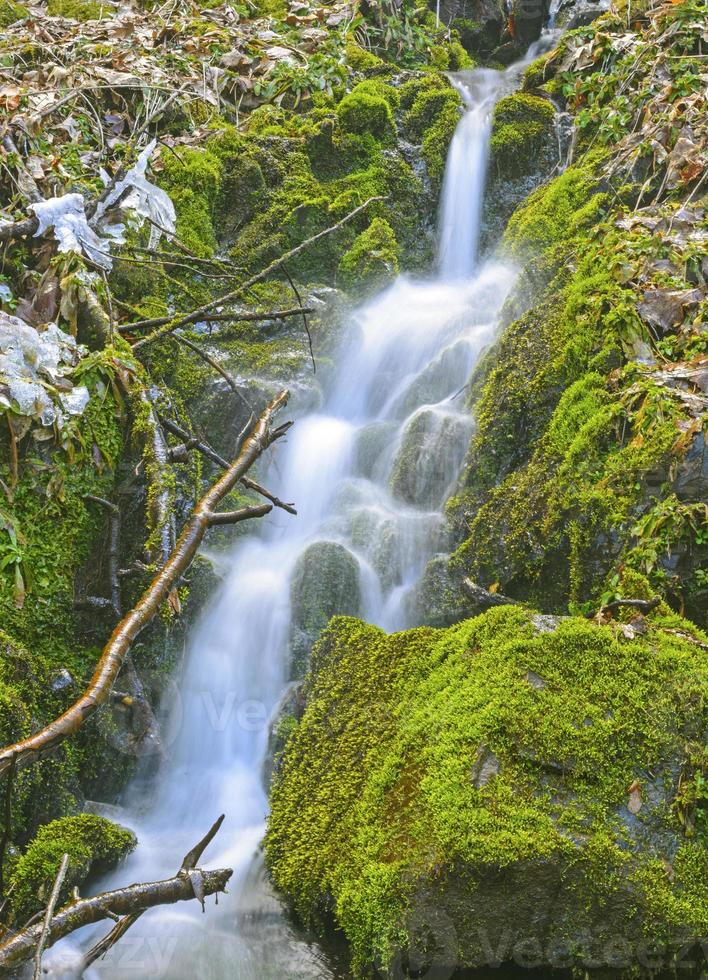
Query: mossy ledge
column 507, row 782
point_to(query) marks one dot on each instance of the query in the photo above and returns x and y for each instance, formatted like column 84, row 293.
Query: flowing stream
column 369, row 474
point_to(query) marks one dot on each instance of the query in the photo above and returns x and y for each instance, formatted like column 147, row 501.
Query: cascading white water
column 370, row 472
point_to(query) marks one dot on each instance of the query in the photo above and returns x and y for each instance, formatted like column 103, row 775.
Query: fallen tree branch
column 243, row 514
column 191, row 443
column 131, row 901
column 160, row 321
column 181, row 321
column 484, row 598
column 189, row 863
column 10, row 231
column 113, row 657
column 643, row 605
column 276, row 501
column 51, row 905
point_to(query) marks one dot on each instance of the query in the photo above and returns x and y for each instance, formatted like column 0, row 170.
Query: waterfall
column 369, row 473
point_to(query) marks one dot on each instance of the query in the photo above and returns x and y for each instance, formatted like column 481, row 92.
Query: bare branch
column 160, row 321
column 236, row 516
column 643, row 605
column 276, row 501
column 181, row 321
column 304, row 318
column 116, row 650
column 129, row 901
column 191, row 443
column 10, row 231
column 191, row 858
column 53, row 899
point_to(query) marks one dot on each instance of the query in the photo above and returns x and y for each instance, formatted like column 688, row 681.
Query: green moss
column 93, row 844
column 556, row 212
column 80, row 10
column 568, row 476
column 450, row 56
column 372, row 259
column 427, row 106
column 539, row 72
column 521, row 127
column 193, row 181
column 389, row 805
column 278, row 9
column 359, row 59
column 432, row 114
column 11, row 12
column 410, row 90
column 460, row 60
column 437, row 141
column 380, row 90
column 51, row 492
column 367, row 111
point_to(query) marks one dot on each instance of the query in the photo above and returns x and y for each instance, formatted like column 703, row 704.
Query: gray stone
column 535, row 680
column 61, row 680
column 546, row 624
column 430, row 455
column 324, row 583
column 486, row 767
column 578, row 13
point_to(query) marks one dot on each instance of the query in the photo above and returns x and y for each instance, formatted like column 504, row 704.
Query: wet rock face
column 480, row 23
column 577, row 13
column 325, row 583
column 530, row 16
column 429, row 456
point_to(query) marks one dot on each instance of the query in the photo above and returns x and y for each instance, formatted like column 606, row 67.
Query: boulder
column 499, row 792
column 480, row 23
column 324, row 583
column 429, row 457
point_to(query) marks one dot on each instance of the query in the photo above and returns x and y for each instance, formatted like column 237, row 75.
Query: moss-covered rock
column 372, row 260
column 367, row 109
column 576, row 460
column 429, row 102
column 193, row 181
column 429, row 456
column 324, row 583
column 93, row 844
column 524, row 149
column 521, row 127
column 497, row 784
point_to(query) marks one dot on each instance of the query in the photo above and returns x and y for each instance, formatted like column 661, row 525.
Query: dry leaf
column 635, row 797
